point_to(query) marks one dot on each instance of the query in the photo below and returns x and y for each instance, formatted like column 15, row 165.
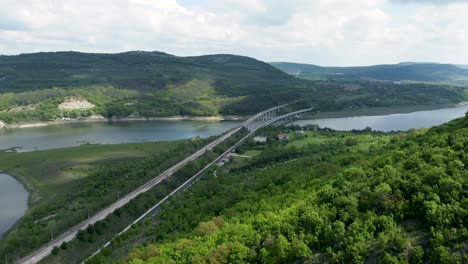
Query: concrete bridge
column 256, row 121
column 262, row 119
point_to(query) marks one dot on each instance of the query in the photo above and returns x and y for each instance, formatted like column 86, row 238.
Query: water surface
column 68, row 135
column 395, row 122
column 13, row 202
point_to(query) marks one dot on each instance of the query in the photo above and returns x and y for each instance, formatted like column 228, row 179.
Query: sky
column 323, row 32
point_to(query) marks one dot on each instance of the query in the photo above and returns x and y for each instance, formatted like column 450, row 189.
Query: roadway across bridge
column 262, row 119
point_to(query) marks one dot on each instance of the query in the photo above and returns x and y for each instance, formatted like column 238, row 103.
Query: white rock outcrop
column 75, row 104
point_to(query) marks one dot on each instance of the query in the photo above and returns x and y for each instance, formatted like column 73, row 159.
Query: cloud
column 97, row 25
column 432, row 2
column 330, row 32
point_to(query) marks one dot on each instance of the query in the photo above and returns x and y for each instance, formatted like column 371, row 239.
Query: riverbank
column 374, row 111
column 123, row 119
column 335, row 114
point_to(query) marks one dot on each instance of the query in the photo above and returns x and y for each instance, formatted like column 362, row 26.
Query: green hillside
column 130, row 70
column 35, row 87
column 323, row 197
column 407, row 71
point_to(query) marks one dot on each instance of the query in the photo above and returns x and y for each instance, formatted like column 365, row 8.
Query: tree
column 64, row 246
column 55, row 251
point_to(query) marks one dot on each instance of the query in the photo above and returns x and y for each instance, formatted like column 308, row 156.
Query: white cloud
column 330, row 32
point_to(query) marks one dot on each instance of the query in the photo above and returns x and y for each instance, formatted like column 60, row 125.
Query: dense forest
column 322, row 196
column 154, row 84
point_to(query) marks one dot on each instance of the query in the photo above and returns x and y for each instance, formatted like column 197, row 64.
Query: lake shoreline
column 101, row 119
column 425, row 118
column 373, row 111
column 378, row 111
column 21, row 180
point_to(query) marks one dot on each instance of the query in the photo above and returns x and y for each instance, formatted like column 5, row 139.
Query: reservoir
column 387, row 123
column 13, row 201
column 75, row 134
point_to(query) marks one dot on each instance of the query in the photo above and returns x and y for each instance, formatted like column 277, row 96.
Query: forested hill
column 71, row 85
column 141, row 83
column 322, row 197
column 129, row 70
column 409, row 71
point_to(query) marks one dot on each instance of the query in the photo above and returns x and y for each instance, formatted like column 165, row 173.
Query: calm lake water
column 68, row 135
column 13, row 201
column 395, row 122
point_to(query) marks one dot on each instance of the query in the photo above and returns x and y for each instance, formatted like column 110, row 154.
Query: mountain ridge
column 403, row 71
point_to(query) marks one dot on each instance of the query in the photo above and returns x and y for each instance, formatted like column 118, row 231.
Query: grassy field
column 252, row 153
column 320, row 137
column 47, row 173
column 309, row 137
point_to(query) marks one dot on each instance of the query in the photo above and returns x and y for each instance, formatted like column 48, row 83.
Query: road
column 71, row 233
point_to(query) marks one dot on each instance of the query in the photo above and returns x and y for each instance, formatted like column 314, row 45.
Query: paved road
column 45, row 250
column 70, row 234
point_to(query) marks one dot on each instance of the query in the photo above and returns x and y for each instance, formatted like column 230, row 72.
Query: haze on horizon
column 323, row 32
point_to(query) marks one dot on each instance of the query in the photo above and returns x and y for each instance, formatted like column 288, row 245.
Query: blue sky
column 324, row 32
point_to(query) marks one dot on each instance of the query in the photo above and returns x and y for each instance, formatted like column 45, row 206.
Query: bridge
column 259, row 120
